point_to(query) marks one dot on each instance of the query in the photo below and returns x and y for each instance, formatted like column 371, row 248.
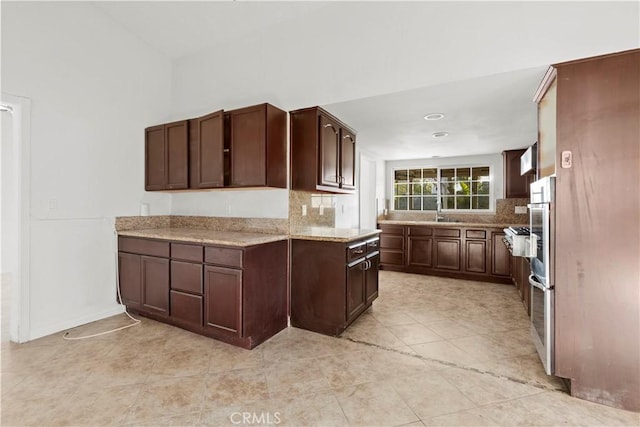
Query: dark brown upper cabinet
column 515, row 185
column 257, row 142
column 323, row 152
column 246, row 147
column 207, row 151
column 167, row 156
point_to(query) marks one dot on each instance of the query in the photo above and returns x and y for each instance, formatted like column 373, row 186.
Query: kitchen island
column 334, row 277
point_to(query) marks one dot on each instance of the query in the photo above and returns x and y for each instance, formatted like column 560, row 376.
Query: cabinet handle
column 363, row 266
column 368, row 264
column 328, row 125
column 346, row 136
column 358, row 251
column 226, row 150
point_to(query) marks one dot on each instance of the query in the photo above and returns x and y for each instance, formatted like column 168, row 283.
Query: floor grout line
column 455, row 365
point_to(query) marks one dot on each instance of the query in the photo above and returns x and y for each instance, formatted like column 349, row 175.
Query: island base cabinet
column 332, row 283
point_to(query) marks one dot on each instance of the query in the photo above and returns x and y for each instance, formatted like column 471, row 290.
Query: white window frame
column 492, row 190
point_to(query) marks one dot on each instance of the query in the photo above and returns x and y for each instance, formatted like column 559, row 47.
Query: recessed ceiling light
column 434, row 116
column 440, row 134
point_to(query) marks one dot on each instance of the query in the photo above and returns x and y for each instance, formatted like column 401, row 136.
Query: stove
column 518, row 240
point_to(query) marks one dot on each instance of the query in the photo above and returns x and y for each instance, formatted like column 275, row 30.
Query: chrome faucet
column 439, row 216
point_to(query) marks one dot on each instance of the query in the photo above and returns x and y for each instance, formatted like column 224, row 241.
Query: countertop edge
column 364, row 235
column 148, row 234
column 448, row 224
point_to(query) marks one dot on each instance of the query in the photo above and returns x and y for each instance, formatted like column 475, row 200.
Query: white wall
column 494, row 161
column 93, row 89
column 263, row 203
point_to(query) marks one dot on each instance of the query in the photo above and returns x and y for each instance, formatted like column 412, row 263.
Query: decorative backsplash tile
column 505, row 214
column 320, row 209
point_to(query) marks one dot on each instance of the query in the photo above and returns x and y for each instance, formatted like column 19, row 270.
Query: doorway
column 15, row 221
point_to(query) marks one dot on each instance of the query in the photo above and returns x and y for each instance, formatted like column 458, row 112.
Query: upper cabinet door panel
column 348, row 160
column 248, row 148
column 154, row 153
column 328, row 150
column 177, row 143
column 209, row 151
column 547, row 132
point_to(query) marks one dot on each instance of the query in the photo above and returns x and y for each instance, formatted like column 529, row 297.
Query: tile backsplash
column 505, row 214
column 320, row 209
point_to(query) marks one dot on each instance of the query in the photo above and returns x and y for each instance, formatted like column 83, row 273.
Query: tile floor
column 431, row 351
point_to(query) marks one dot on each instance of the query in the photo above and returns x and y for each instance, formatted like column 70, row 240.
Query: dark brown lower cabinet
column 500, row 256
column 442, row 250
column 520, row 271
column 234, row 294
column 155, row 285
column 475, row 256
column 223, row 299
column 332, row 283
column 447, row 254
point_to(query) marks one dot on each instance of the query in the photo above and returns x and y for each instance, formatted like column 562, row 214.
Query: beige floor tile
column 374, row 404
column 317, row 409
column 190, row 419
column 484, row 388
column 182, row 363
column 235, row 387
column 415, row 333
column 471, row 418
column 450, row 329
column 444, row 352
column 225, row 357
column 167, row 397
column 430, row 395
column 292, row 378
column 392, row 318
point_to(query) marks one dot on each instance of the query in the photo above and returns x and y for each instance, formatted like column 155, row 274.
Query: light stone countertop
column 328, row 234
column 205, row 237
column 448, row 224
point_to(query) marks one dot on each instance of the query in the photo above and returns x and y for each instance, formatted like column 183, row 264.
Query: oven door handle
column 535, row 282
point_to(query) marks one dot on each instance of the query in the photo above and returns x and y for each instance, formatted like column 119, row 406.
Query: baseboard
column 72, row 323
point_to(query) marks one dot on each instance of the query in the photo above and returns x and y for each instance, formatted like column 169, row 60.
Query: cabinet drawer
column 391, row 242
column 447, row 232
column 392, row 229
column 420, row 231
column 186, row 252
column 355, row 251
column 186, row 308
column 476, row 234
column 373, row 245
column 143, row 246
column 223, row 256
column 186, row 276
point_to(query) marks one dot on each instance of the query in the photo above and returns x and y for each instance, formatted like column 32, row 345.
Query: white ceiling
column 484, row 115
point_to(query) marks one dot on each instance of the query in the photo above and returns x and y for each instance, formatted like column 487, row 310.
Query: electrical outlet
column 521, row 209
column 304, row 210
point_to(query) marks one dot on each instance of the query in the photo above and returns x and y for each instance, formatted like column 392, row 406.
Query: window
column 466, row 188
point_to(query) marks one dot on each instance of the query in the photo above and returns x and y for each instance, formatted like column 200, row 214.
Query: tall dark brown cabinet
column 515, row 184
column 323, row 152
column 597, row 273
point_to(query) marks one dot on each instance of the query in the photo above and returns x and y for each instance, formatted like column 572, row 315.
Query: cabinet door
column 371, row 273
column 420, row 251
column 329, row 144
column 475, row 256
column 355, row 289
column 177, row 146
column 515, row 185
column 154, row 158
column 348, row 160
column 155, row 285
column 499, row 255
column 207, row 161
column 447, row 254
column 223, row 299
column 248, row 146
column 129, row 276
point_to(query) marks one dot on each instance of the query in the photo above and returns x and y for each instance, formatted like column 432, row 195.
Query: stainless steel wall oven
column 542, row 274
